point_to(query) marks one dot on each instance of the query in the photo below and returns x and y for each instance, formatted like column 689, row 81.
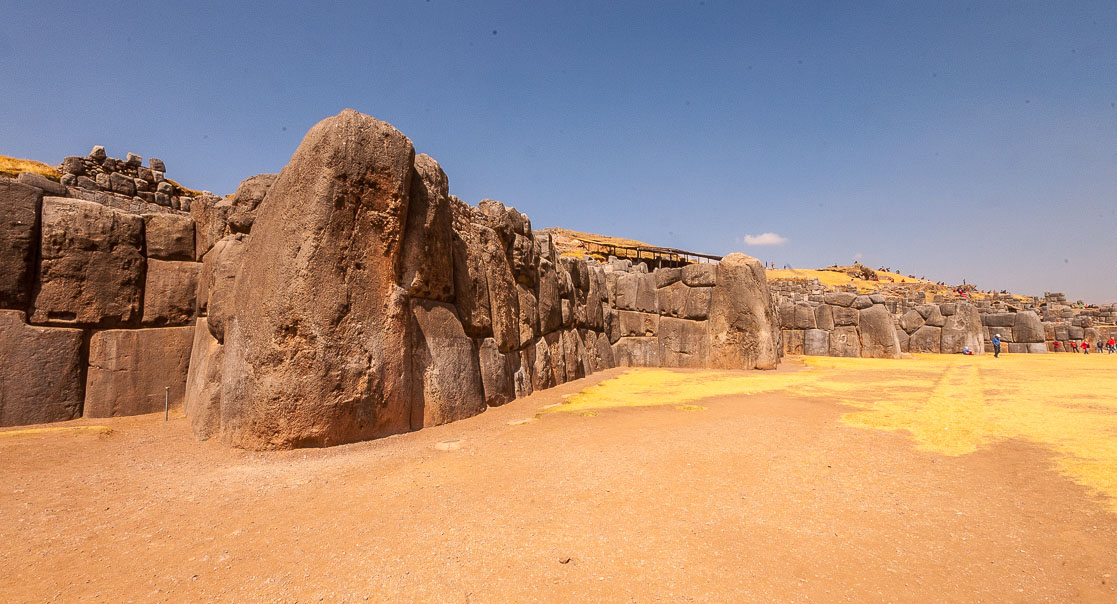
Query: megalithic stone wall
column 367, row 301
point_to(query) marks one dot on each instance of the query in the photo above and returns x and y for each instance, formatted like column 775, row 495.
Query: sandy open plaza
column 940, row 478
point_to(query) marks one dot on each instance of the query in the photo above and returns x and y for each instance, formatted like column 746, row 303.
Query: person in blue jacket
column 997, row 346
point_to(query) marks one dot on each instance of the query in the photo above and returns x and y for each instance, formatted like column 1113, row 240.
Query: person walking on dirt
column 997, row 346
column 1112, row 345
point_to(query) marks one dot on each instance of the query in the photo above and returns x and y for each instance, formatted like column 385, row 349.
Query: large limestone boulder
column 804, row 316
column 744, row 329
column 824, row 317
column 170, row 293
column 92, row 266
column 426, row 267
column 40, row 372
column 1027, row 328
column 963, row 329
column 317, row 350
column 878, row 333
column 792, row 341
column 202, row 399
column 446, row 375
column 134, row 371
column 19, row 239
column 504, row 294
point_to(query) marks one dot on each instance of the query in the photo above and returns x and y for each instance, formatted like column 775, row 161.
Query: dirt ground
column 762, row 497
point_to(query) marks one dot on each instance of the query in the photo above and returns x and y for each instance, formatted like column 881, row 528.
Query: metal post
column 166, row 403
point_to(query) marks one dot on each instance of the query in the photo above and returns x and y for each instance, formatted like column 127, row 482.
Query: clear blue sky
column 956, row 140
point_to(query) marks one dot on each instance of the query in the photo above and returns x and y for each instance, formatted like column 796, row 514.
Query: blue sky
column 956, row 140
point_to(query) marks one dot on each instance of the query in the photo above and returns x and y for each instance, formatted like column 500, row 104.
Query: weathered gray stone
column 169, row 236
column 792, row 341
column 73, row 165
column 816, row 343
column 202, row 399
column 19, row 240
column 877, row 298
column 98, row 154
column 911, row 321
column 211, row 222
column 700, row 274
column 683, row 343
column 504, row 299
column 91, row 269
column 744, row 328
column 840, row 298
column 122, row 184
column 1027, row 328
column 672, row 299
column 631, row 323
column 428, row 239
column 667, row 276
column 844, row 342
column 931, row 315
column 132, row 160
column 926, row 339
column 40, row 372
column 845, row 316
column 132, row 371
column 878, row 333
column 824, row 317
column 862, row 302
column 1075, row 332
column 698, row 301
column 170, row 292
column 48, row 186
column 636, row 352
column 948, row 309
column 1036, row 347
column 498, row 370
column 1004, row 319
column 447, row 381
column 963, row 330
column 804, row 316
column 157, row 164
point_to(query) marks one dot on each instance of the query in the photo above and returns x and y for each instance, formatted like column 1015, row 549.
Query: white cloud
column 765, row 239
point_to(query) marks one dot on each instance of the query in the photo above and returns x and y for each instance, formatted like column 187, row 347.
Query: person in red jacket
column 1112, row 344
column 1074, row 346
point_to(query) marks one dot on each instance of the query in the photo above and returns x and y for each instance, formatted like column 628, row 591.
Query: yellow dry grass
column 948, row 404
column 15, row 166
column 832, row 278
column 60, row 430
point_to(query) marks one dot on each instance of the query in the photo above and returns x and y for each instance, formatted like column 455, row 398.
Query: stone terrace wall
column 369, row 301
column 98, row 287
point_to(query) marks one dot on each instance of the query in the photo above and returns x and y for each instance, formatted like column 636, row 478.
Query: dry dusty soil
column 766, row 497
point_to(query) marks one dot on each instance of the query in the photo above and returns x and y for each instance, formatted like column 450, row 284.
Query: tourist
column 1056, row 347
column 997, row 346
column 1074, row 346
column 1099, row 345
column 1085, row 347
column 1112, row 345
